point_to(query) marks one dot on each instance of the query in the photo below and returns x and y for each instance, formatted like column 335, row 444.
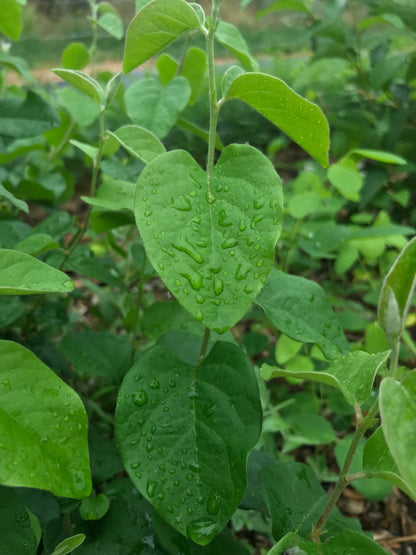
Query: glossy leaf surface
column 303, row 121
column 138, row 142
column 43, row 427
column 398, row 417
column 213, row 245
column 184, row 435
column 353, row 374
column 157, row 108
column 299, row 308
column 21, row 274
column 156, row 25
column 397, row 291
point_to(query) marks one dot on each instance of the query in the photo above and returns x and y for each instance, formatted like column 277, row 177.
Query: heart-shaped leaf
column 184, row 434
column 211, row 242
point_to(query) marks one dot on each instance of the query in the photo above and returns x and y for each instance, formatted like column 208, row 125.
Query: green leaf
column 378, row 462
column 346, row 180
column 94, row 507
column 300, row 119
column 351, row 541
column 26, row 118
column 17, row 203
column 97, row 353
column 378, row 155
column 286, row 349
column 229, row 76
column 138, row 142
column 156, row 25
column 111, row 88
column 111, row 23
column 10, row 22
column 300, row 309
column 307, row 428
column 69, row 544
column 89, row 150
column 295, row 5
column 397, row 291
column 11, row 308
column 21, row 274
column 296, row 500
column 372, row 488
column 43, row 427
column 82, row 109
column 18, row 64
column 83, row 83
column 16, row 533
column 150, row 105
column 75, row 56
column 113, row 194
column 352, row 374
column 184, row 435
column 230, row 37
column 398, row 417
column 212, row 246
column 193, row 68
column 166, row 67
column 36, row 244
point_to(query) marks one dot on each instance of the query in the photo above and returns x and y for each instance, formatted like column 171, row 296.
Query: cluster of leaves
column 131, row 422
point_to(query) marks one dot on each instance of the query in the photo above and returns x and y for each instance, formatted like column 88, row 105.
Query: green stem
column 136, row 325
column 213, row 106
column 96, row 168
column 204, row 346
column 344, row 478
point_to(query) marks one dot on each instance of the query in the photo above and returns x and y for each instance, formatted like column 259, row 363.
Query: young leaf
column 21, row 274
column 300, row 119
column 299, row 308
column 94, row 507
column 166, row 67
column 75, row 56
column 82, row 82
column 212, row 244
column 69, row 544
column 150, row 105
column 113, row 194
column 10, row 22
column 352, row 374
column 378, row 462
column 16, row 533
column 111, row 23
column 230, row 37
column 397, row 291
column 194, row 68
column 347, row 180
column 184, row 435
column 17, row 203
column 43, row 427
column 36, row 244
column 89, row 150
column 398, row 416
column 351, row 541
column 378, row 155
column 156, row 25
column 138, row 142
column 111, row 88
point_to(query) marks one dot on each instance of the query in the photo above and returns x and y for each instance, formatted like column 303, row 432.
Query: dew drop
column 201, row 531
column 150, row 488
column 140, row 398
column 218, row 285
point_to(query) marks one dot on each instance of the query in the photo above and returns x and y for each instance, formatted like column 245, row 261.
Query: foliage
column 135, row 422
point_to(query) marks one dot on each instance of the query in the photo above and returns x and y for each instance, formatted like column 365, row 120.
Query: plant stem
column 213, row 106
column 344, row 478
column 204, row 346
column 96, row 168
